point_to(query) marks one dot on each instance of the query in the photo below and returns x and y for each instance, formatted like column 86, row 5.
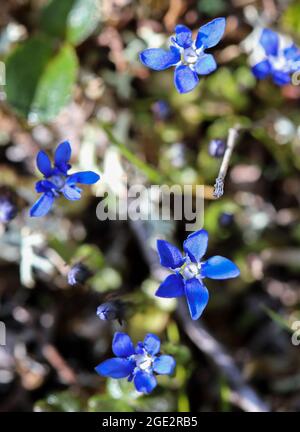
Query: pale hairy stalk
column 232, row 138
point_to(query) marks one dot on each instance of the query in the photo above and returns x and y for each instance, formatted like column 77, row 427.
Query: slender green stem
column 152, row 174
column 280, row 320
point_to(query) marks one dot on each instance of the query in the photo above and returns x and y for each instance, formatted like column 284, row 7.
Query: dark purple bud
column 161, row 110
column 226, row 219
column 8, row 210
column 78, row 274
column 216, row 148
column 112, row 310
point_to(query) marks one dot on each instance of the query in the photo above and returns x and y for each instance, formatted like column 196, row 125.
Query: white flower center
column 190, row 271
column 190, row 56
column 278, row 62
column 143, row 361
column 58, row 180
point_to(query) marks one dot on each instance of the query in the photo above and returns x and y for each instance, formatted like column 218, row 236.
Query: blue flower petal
column 292, row 52
column 42, row 206
column 164, row 365
column 205, row 65
column 196, row 244
column 281, row 78
column 159, row 59
column 262, row 69
column 295, row 66
column 211, row 33
column 62, row 155
column 43, row 163
column 144, row 382
column 115, row 368
column 219, row 267
column 185, row 79
column 72, row 193
column 84, row 177
column 169, row 255
column 152, row 344
column 139, row 349
column 44, row 186
column 183, row 36
column 269, row 41
column 197, row 297
column 122, row 345
column 171, row 287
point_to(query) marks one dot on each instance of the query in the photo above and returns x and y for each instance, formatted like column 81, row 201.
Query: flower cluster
column 187, row 55
column 139, row 363
column 189, row 271
column 57, row 181
column 275, row 56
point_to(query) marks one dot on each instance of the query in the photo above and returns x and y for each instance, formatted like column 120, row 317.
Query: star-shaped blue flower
column 189, row 271
column 139, row 363
column 57, row 181
column 278, row 61
column 188, row 56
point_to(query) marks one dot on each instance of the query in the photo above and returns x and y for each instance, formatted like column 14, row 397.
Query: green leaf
column 39, row 81
column 74, row 20
column 23, row 70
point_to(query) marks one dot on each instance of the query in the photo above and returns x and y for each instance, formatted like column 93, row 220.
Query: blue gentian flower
column 8, row 210
column 189, row 271
column 139, row 363
column 57, row 181
column 188, row 56
column 278, row 59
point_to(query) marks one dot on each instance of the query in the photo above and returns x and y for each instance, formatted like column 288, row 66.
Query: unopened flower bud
column 78, row 274
column 216, row 148
column 8, row 210
column 112, row 310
